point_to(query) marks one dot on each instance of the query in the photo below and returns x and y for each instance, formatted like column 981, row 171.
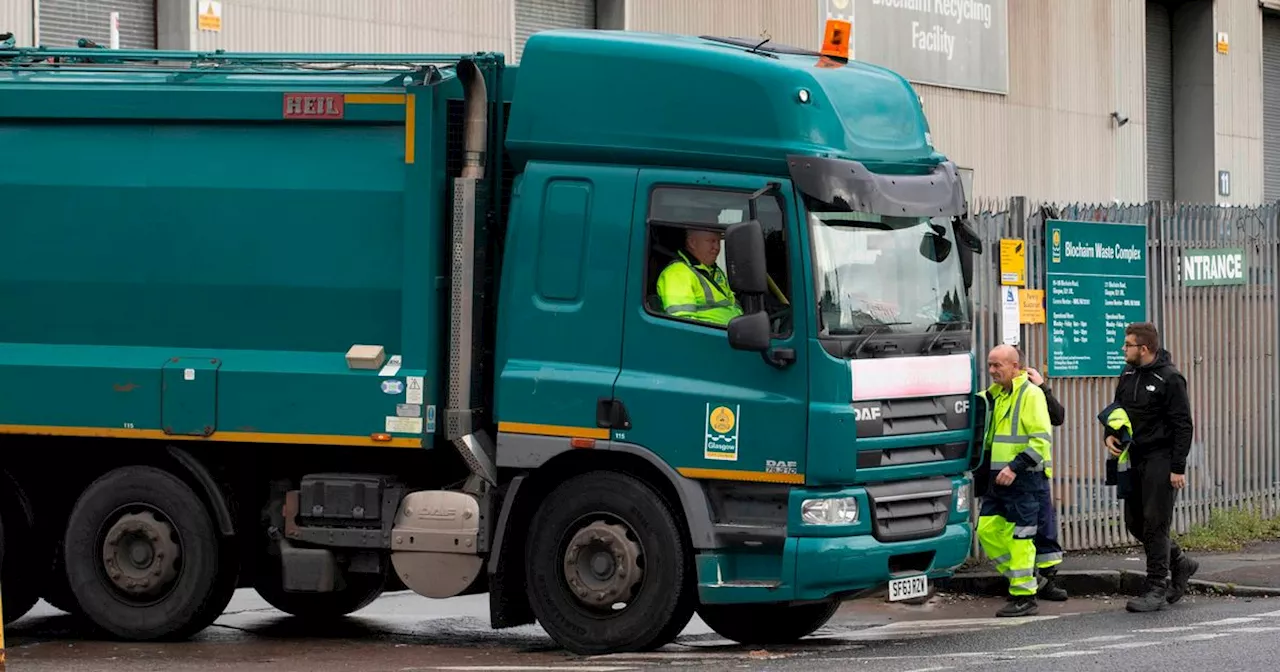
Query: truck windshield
column 880, row 274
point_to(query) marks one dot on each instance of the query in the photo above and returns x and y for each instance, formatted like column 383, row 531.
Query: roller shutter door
column 1159, row 103
column 1271, row 106
column 62, row 22
column 536, row 15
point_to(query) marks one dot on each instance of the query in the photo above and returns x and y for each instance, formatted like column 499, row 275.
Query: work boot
column 1183, row 569
column 1152, row 600
column 1049, row 589
column 1019, row 605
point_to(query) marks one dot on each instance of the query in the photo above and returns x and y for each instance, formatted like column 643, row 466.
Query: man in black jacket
column 1154, row 394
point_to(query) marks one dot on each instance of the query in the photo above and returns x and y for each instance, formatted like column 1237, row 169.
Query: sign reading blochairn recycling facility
column 1097, row 285
column 1200, row 268
column 961, row 44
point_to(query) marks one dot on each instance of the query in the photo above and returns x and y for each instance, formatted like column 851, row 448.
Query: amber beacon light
column 835, row 43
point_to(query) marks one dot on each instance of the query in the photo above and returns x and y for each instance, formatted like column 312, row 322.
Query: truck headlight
column 835, row 511
column 962, row 498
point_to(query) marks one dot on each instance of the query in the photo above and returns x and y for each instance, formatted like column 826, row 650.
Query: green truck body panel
column 179, row 260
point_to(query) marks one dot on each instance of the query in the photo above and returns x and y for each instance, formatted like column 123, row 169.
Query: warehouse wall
column 16, row 18
column 1071, row 64
column 437, row 26
column 792, row 22
column 1238, row 121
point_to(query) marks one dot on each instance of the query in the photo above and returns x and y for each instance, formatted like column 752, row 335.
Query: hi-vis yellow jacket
column 1019, row 434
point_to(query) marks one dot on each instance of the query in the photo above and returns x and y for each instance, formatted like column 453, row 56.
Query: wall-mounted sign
column 962, row 44
column 1097, row 277
column 1203, row 268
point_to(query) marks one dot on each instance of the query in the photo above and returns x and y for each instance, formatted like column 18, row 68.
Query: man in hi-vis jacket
column 1019, row 438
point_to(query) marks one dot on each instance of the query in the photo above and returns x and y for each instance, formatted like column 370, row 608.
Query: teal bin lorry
column 327, row 325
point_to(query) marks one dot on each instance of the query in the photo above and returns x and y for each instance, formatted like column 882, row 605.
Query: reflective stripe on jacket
column 686, row 291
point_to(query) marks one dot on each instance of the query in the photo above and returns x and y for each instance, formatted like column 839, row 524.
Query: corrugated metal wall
column 1223, row 339
column 1071, row 65
column 792, row 22
column 1271, row 106
column 1159, row 103
column 15, row 17
column 533, row 16
column 63, row 22
column 1237, row 96
column 450, row 26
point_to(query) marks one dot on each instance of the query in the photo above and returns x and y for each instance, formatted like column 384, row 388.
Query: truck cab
column 811, row 448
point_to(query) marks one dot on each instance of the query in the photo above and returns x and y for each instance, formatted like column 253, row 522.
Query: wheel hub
column 140, row 555
column 602, row 564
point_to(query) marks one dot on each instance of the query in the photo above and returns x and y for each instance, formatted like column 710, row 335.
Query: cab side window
column 686, row 276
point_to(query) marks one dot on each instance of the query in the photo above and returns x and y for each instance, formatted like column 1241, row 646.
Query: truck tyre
column 144, row 558
column 20, row 576
column 600, row 540
column 767, row 624
column 359, row 592
column 57, row 590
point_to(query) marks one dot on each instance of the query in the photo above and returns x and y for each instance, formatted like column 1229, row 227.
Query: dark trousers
column 1148, row 514
column 1048, row 550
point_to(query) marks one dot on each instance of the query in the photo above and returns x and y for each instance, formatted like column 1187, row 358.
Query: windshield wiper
column 875, row 329
column 942, row 329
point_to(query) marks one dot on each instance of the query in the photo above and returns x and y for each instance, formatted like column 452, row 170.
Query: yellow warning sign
column 1013, row 262
column 209, row 16
column 1031, row 306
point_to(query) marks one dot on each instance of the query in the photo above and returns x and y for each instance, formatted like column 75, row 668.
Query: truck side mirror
column 750, row 332
column 744, row 257
column 970, row 244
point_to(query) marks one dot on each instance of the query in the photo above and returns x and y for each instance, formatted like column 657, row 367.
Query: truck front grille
column 896, row 457
column 910, row 510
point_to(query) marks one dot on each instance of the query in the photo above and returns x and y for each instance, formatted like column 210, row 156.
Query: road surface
column 406, row 633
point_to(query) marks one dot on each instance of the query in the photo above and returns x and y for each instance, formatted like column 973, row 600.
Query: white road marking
column 1255, row 630
column 1200, row 637
column 1102, row 638
column 1130, row 645
column 1065, row 654
column 1179, row 628
column 1230, row 621
column 1040, row 647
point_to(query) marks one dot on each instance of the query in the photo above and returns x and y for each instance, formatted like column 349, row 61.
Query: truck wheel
column 359, row 592
column 607, row 566
column 143, row 556
column 766, row 624
column 20, row 576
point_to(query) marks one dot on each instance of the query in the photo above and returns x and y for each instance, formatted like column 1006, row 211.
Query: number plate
column 908, row 588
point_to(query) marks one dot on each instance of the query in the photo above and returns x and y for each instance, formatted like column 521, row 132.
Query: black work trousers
column 1148, row 514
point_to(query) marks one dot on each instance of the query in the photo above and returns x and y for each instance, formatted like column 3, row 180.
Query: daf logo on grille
column 866, row 413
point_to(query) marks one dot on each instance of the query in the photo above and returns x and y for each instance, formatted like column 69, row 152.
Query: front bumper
column 817, row 562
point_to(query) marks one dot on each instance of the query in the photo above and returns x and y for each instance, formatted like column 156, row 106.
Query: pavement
column 1252, row 572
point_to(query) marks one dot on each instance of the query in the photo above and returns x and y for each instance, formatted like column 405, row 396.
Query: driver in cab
column 694, row 286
